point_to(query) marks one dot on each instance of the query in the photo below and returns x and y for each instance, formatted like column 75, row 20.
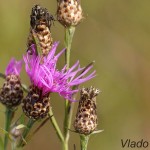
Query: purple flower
column 44, row 75
column 14, row 67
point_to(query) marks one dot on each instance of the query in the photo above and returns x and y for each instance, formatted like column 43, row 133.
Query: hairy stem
column 84, row 141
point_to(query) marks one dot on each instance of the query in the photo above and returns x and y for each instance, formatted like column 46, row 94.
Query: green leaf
column 24, row 140
column 3, row 131
column 21, row 119
column 97, row 131
column 25, row 88
column 36, row 40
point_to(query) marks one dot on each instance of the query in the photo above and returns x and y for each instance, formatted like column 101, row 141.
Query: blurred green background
column 114, row 33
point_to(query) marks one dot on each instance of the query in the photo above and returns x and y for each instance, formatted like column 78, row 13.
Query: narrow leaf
column 20, row 126
column 97, row 131
column 3, row 131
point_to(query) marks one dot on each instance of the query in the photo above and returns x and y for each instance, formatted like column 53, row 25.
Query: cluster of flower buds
column 86, row 117
column 45, row 78
column 41, row 68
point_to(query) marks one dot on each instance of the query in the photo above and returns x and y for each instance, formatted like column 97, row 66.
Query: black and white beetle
column 40, row 16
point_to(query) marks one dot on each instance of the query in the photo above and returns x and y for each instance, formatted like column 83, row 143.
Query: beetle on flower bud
column 40, row 23
column 40, row 16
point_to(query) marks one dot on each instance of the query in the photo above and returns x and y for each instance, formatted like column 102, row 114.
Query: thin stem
column 9, row 115
column 13, row 145
column 26, row 131
column 55, row 125
column 84, row 141
column 67, row 123
column 40, row 126
column 69, row 32
column 37, row 129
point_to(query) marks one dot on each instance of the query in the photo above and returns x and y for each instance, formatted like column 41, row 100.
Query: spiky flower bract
column 11, row 93
column 69, row 12
column 86, row 117
column 35, row 105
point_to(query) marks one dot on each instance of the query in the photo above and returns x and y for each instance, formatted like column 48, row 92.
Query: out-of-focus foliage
column 116, row 35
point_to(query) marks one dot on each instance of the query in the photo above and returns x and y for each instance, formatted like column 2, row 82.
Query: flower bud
column 40, row 23
column 69, row 12
column 11, row 93
column 35, row 105
column 86, row 117
column 15, row 133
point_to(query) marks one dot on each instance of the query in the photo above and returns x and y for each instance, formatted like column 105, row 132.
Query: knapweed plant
column 40, row 61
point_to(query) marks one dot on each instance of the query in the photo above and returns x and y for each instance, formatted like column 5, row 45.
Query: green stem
column 84, row 141
column 55, row 125
column 67, row 124
column 25, row 133
column 69, row 32
column 13, row 146
column 40, row 126
column 9, row 115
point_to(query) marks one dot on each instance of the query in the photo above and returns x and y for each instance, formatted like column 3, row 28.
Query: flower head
column 69, row 12
column 14, row 67
column 48, row 78
column 35, row 105
column 11, row 93
column 86, row 116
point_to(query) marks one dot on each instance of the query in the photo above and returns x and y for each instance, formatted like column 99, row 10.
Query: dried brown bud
column 69, row 12
column 11, row 93
column 41, row 21
column 86, row 117
column 35, row 105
